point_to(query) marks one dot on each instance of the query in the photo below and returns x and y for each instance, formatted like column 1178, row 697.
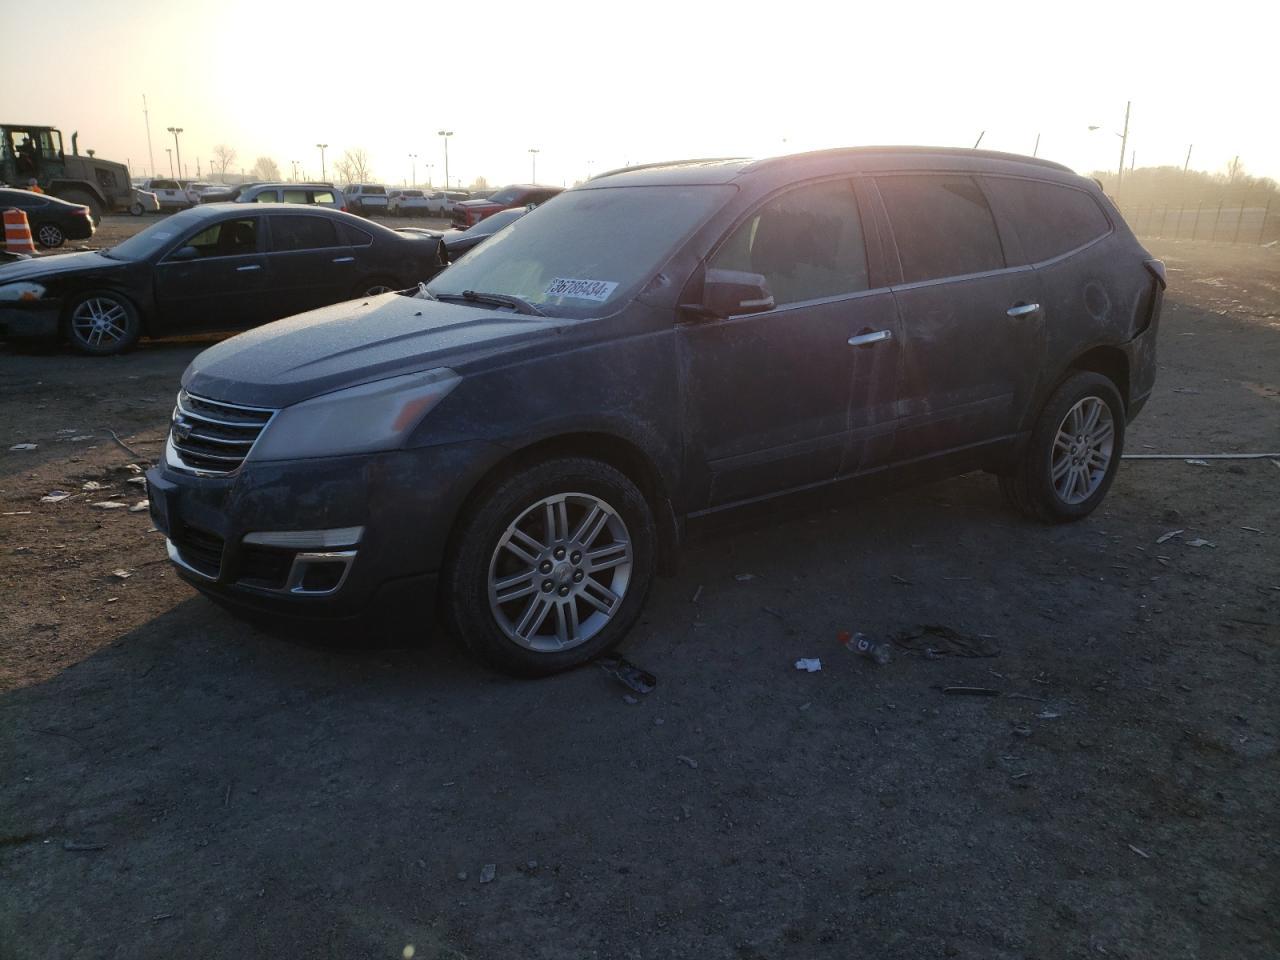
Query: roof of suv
column 729, row 169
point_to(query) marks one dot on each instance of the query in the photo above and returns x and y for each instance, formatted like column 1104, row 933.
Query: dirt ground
column 177, row 783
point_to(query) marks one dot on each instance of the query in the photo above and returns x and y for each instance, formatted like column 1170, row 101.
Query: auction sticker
column 598, row 290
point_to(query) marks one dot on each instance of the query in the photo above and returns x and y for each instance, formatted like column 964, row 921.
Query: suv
column 407, row 203
column 366, row 198
column 442, row 202
column 529, row 437
column 470, row 212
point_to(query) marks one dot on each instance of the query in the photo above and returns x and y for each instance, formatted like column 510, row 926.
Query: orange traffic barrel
column 17, row 233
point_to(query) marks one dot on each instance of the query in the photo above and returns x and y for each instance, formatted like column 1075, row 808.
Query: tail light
column 81, row 211
column 344, row 209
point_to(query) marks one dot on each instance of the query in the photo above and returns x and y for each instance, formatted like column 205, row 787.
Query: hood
column 48, row 266
column 476, row 203
column 291, row 360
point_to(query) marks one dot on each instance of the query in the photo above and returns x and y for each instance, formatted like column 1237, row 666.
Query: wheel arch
column 622, row 454
column 1109, row 361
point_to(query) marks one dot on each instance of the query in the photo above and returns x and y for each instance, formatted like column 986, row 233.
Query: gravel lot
column 174, row 782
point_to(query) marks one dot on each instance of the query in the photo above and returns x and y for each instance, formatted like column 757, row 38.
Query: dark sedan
column 217, row 267
column 53, row 221
column 458, row 242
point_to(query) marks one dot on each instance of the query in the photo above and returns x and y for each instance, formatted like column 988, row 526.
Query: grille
column 199, row 549
column 213, row 437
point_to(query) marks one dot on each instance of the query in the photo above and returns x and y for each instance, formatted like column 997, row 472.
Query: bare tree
column 479, row 183
column 354, row 166
column 223, row 157
column 264, row 168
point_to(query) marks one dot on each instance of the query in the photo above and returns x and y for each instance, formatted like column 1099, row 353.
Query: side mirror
column 185, row 253
column 731, row 293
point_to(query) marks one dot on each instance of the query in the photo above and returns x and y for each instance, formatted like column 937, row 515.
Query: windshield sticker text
column 598, row 290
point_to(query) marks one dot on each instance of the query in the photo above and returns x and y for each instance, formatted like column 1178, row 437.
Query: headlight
column 364, row 419
column 21, row 291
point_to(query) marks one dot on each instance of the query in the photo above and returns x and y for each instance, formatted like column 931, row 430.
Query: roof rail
column 664, row 163
column 934, row 151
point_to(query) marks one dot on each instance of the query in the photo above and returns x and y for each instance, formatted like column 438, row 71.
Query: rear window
column 164, row 185
column 373, row 191
column 1051, row 219
column 302, row 233
column 411, row 193
column 322, row 197
column 943, row 226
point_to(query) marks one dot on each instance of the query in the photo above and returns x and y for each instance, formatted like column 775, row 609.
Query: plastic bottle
column 860, row 643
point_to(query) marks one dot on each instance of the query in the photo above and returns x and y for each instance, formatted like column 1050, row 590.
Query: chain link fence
column 1237, row 221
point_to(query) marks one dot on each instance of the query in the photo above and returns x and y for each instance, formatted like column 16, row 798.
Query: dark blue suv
column 527, row 440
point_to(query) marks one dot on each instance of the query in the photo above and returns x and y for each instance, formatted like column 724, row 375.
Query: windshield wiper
column 519, row 304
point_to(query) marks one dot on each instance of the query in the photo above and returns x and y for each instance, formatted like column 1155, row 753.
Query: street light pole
column 322, row 148
column 414, row 158
column 1124, row 143
column 446, row 134
column 533, row 152
column 295, row 170
column 169, row 151
column 177, row 150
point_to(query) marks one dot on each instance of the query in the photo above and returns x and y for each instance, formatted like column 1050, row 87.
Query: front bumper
column 225, row 533
column 34, row 318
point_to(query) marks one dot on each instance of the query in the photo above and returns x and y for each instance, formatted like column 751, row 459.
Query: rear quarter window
column 357, row 237
column 1051, row 219
column 942, row 225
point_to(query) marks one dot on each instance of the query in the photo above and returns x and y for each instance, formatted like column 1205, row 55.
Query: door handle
column 344, row 259
column 866, row 339
column 1023, row 310
column 252, row 266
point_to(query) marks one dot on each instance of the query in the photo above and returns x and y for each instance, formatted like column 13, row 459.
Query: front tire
column 101, row 323
column 1073, row 454
column 50, row 236
column 550, row 567
column 136, row 209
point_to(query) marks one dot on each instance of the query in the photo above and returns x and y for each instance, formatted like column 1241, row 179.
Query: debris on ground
column 54, row 496
column 1251, row 529
column 109, row 505
column 860, row 643
column 696, row 594
column 121, row 574
column 744, row 577
column 141, row 481
column 628, row 674
column 15, row 513
column 1166, row 537
column 689, row 762
column 1140, row 852
column 1197, row 462
column 24, row 446
column 488, row 872
column 809, row 664
column 140, row 506
column 1201, row 542
column 935, row 640
column 971, row 691
column 92, row 485
column 1047, row 715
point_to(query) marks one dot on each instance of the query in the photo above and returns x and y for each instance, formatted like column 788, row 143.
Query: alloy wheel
column 559, row 572
column 49, row 236
column 1082, row 450
column 100, row 321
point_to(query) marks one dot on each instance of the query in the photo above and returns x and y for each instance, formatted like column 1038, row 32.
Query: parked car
column 528, row 438
column 316, row 194
column 214, row 267
column 441, row 202
column 458, row 242
column 470, row 212
column 366, row 198
column 171, row 194
column 143, row 201
column 407, row 202
column 53, row 222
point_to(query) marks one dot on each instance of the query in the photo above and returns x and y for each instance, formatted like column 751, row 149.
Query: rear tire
column 1073, row 453
column 550, row 567
column 49, row 235
column 136, row 209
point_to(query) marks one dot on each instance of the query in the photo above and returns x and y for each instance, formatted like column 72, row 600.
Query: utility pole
column 1186, row 163
column 322, row 147
column 533, row 152
column 146, row 117
column 446, row 134
column 177, row 150
column 979, row 140
column 1036, row 152
column 295, row 170
column 1124, row 143
column 413, row 158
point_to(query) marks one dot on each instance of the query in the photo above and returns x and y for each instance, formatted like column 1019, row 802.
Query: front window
column 587, row 253
column 509, row 195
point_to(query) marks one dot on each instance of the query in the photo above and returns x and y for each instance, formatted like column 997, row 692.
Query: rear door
column 310, row 265
column 973, row 331
column 769, row 397
column 222, row 288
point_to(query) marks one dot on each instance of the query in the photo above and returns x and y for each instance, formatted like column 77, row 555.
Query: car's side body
column 905, row 373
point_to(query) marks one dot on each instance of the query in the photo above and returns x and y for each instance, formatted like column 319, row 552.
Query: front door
column 769, row 396
column 221, row 288
column 973, row 331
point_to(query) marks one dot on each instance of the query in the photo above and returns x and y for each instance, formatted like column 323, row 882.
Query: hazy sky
column 596, row 85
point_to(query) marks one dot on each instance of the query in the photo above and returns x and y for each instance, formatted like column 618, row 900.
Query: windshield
column 588, row 252
column 509, row 195
column 496, row 222
column 146, row 242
